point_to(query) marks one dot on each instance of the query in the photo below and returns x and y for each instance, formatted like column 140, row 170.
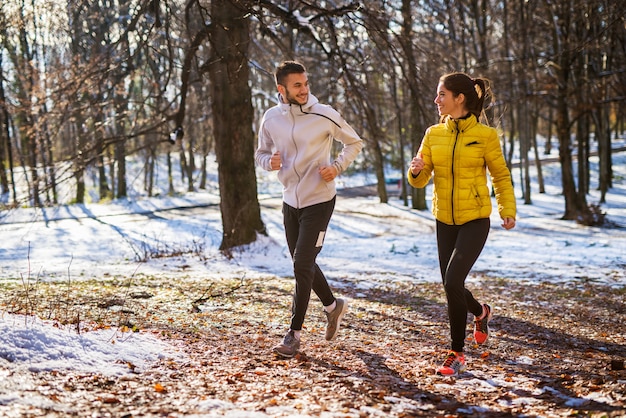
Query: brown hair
column 477, row 91
column 288, row 67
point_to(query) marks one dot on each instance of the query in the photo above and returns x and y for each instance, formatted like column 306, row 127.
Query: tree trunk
column 582, row 141
column 112, row 173
column 548, row 146
column 533, row 138
column 191, row 164
column 6, row 150
column 233, row 118
column 203, row 166
column 120, row 160
column 170, row 175
column 79, row 152
column 150, row 157
column 104, row 191
column 563, row 70
column 416, row 131
column 103, row 187
column 402, row 142
column 121, row 104
column 377, row 153
column 603, row 135
column 524, row 145
column 565, row 152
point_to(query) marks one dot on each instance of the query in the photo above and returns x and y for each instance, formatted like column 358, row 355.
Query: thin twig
column 205, row 298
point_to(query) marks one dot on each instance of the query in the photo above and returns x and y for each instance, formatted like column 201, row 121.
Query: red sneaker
column 481, row 326
column 453, row 365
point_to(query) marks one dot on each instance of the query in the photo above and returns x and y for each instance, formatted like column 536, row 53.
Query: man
column 296, row 137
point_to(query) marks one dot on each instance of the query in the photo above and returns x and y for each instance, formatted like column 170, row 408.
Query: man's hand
column 275, row 161
column 328, row 172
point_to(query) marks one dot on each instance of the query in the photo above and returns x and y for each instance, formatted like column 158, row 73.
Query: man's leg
column 313, row 222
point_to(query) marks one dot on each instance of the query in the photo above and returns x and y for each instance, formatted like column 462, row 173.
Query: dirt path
column 550, row 356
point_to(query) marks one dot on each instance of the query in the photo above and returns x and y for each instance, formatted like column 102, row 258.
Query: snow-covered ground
column 367, row 242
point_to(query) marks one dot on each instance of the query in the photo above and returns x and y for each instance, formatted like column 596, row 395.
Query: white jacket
column 304, row 137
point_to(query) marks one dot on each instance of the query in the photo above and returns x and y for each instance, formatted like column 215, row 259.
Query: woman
column 456, row 153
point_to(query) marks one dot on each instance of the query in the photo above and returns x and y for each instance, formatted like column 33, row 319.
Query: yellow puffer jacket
column 457, row 153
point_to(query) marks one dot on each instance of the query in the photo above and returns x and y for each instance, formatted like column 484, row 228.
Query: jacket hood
column 311, row 101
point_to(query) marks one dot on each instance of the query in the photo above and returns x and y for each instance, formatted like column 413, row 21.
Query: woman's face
column 447, row 104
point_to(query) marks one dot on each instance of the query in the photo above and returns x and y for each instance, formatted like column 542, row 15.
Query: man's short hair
column 288, row 67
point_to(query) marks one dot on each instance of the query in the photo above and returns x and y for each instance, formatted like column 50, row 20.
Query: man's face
column 295, row 89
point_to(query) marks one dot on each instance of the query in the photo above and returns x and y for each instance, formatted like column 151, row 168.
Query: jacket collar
column 461, row 124
column 287, row 107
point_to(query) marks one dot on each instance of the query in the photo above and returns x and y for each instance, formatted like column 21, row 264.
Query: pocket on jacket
column 281, row 176
column 477, row 199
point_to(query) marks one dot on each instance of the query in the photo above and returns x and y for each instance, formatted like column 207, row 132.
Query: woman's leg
column 459, row 247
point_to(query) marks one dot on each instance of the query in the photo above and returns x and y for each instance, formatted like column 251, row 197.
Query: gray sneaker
column 334, row 318
column 289, row 347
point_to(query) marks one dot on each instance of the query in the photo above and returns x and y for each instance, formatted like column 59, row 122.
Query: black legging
column 305, row 230
column 459, row 247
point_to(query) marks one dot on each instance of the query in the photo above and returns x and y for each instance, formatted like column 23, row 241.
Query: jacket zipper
column 456, row 140
column 295, row 145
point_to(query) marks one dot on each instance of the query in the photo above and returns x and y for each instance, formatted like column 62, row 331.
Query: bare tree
column 232, row 119
column 137, row 70
column 414, row 127
column 7, row 181
column 562, row 20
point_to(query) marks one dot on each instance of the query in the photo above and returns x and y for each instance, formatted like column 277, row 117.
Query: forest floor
column 556, row 350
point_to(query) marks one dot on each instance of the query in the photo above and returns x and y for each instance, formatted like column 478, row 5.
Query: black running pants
column 459, row 247
column 305, row 230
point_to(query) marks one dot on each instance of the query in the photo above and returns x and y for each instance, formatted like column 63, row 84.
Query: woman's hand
column 508, row 223
column 417, row 164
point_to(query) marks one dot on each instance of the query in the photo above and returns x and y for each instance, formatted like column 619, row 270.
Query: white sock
column 297, row 334
column 331, row 307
